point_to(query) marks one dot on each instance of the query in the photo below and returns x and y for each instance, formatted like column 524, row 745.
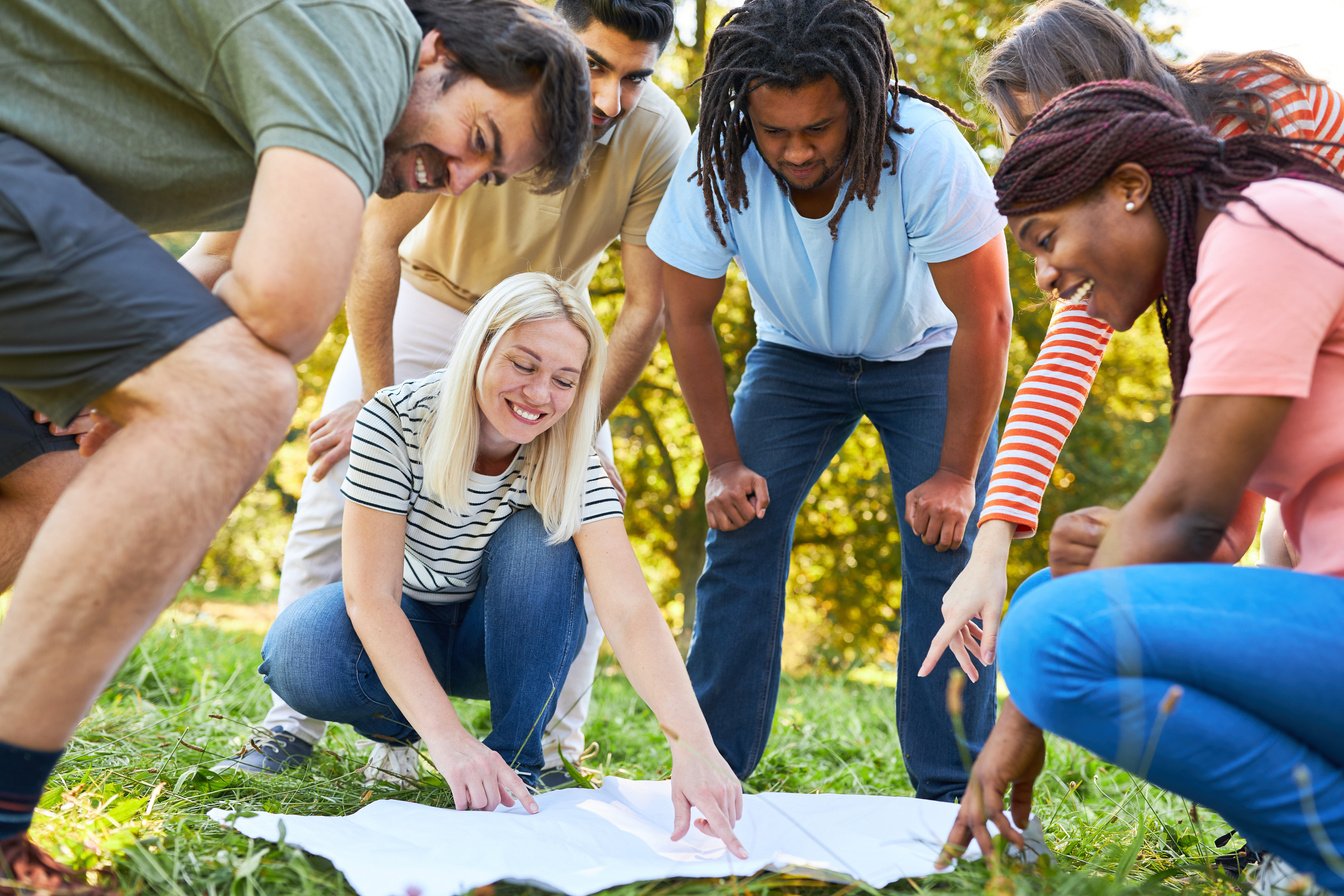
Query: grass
column 132, row 792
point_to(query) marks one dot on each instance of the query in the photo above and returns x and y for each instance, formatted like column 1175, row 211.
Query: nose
column 462, row 174
column 1047, row 278
column 607, row 96
column 535, row 392
column 798, row 150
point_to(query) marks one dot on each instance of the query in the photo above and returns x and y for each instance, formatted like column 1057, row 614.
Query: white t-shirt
column 869, row 293
column 443, row 551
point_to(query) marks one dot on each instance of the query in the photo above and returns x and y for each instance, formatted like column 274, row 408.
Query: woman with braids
column 1215, row 681
column 1059, row 45
column 877, row 268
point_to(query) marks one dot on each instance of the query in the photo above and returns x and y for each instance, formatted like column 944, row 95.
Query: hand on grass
column 478, row 777
column 329, row 438
column 703, row 781
column 938, row 508
column 1012, row 759
column 1075, row 538
column 734, row 496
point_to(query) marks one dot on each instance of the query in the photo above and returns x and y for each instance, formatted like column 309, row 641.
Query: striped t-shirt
column 1051, row 396
column 442, row 562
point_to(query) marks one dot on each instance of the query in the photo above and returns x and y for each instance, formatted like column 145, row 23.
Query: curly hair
column 1072, row 146
column 789, row 44
column 517, row 47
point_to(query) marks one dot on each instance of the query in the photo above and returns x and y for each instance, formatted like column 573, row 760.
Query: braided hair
column 789, row 44
column 1073, row 145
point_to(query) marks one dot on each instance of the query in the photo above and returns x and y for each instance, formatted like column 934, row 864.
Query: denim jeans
column 512, row 644
column 1257, row 732
column 791, row 414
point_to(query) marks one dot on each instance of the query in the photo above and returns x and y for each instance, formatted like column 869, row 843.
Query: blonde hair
column 555, row 463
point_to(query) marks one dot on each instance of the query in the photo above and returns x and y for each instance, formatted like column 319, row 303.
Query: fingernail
column 989, row 658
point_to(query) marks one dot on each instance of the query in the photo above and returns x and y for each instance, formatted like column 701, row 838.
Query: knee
column 303, row 647
column 519, row 553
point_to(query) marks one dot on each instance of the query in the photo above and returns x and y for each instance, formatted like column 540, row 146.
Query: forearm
column 370, row 306
column 402, row 668
column 695, row 351
column 1159, row 528
column 976, row 372
column 634, row 336
column 993, row 541
column 210, row 257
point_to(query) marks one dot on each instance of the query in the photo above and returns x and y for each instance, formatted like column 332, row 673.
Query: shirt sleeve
column 380, row 468
column 600, row 501
column 329, row 79
column 1242, row 341
column 681, row 234
column 659, row 161
column 1044, row 411
column 949, row 199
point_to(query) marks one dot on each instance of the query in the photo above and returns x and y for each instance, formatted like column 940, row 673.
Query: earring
column 1130, row 206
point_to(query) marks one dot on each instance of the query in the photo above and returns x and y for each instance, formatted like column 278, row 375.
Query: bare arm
column 373, row 542
column 649, row 658
column 210, row 256
column 735, row 495
column 1184, row 509
column 290, row 266
column 372, row 298
column 638, row 325
column 975, row 288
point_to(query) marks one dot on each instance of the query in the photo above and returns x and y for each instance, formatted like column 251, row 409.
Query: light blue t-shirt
column 869, row 293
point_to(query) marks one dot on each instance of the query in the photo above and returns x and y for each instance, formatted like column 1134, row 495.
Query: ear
column 1128, row 183
column 432, row 50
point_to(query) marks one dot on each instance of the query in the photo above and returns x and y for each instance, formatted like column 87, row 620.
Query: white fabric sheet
column 583, row 841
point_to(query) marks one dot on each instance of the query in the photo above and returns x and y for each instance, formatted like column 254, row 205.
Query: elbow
column 1196, row 533
column 281, row 314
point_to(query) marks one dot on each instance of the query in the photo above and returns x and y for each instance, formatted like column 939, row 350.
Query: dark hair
column 1061, row 44
column 789, row 44
column 516, row 47
column 650, row 21
column 1072, row 146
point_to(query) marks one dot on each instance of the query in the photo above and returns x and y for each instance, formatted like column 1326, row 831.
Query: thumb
column 681, row 809
column 989, row 640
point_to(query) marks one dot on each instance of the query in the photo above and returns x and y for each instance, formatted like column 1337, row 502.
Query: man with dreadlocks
column 894, row 307
column 1123, row 198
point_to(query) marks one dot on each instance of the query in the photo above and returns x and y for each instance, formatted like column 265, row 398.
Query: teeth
column 1077, row 294
column 526, row 415
column 421, row 177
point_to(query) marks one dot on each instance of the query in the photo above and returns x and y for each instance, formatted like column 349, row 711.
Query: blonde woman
column 475, row 509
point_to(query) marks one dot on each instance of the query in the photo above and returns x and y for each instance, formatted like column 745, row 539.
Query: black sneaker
column 268, row 754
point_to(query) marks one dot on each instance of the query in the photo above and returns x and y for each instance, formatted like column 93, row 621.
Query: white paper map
column 583, row 841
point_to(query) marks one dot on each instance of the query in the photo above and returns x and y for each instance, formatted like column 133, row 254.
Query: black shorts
column 22, row 439
column 86, row 298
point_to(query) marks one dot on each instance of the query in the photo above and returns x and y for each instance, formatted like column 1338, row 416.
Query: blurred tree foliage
column 845, row 584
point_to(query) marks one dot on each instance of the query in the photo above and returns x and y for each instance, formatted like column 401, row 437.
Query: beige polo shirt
column 468, row 243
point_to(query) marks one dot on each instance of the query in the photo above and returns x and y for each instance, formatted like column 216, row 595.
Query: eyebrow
column 538, row 359
column 497, row 151
column 598, row 58
column 821, row 123
column 1022, row 231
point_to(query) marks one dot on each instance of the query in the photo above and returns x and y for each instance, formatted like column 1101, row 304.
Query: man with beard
column 894, row 307
column 272, row 120
column 405, row 311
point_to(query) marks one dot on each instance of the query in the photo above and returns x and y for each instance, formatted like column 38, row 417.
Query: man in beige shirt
column 446, row 252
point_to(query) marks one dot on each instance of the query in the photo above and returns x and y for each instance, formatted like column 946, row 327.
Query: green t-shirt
column 163, row 107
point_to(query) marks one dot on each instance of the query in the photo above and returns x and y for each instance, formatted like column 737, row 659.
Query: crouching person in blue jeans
column 475, row 508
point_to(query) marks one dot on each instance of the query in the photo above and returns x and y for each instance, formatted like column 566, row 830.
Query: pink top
column 1256, row 332
column 1051, row 396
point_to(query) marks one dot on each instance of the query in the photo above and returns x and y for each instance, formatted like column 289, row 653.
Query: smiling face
column 1094, row 247
column 528, row 384
column 619, row 67
column 802, row 135
column 449, row 139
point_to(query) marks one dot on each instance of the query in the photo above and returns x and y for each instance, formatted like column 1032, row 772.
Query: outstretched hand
column 1012, row 759
column 706, row 783
column 977, row 593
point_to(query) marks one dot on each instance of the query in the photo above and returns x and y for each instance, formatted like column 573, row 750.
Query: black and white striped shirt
column 443, row 551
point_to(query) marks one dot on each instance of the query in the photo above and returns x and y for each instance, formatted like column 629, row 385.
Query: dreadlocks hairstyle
column 789, row 44
column 1073, row 145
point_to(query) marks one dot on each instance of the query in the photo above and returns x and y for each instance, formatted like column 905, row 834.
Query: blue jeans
column 1257, row 733
column 792, row 413
column 511, row 644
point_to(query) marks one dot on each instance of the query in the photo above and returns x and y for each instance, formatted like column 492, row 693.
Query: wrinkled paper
column 583, row 841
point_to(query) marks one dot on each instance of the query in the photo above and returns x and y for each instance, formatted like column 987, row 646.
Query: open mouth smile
column 526, row 416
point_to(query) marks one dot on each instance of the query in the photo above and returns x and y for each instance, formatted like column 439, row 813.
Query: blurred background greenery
column 845, row 592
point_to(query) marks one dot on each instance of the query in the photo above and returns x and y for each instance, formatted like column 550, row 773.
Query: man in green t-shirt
column 268, row 123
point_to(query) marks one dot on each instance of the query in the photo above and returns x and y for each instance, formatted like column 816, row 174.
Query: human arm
column 638, row 325
column 1012, row 759
column 975, row 288
column 978, row 592
column 370, row 303
column 373, row 542
column 289, row 267
column 1184, row 509
column 701, row 779
column 734, row 495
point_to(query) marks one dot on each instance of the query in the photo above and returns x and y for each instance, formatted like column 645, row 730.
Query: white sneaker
column 1275, row 877
column 394, row 763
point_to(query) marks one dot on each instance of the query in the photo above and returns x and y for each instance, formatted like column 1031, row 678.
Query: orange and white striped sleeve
column 1045, row 408
column 1305, row 111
